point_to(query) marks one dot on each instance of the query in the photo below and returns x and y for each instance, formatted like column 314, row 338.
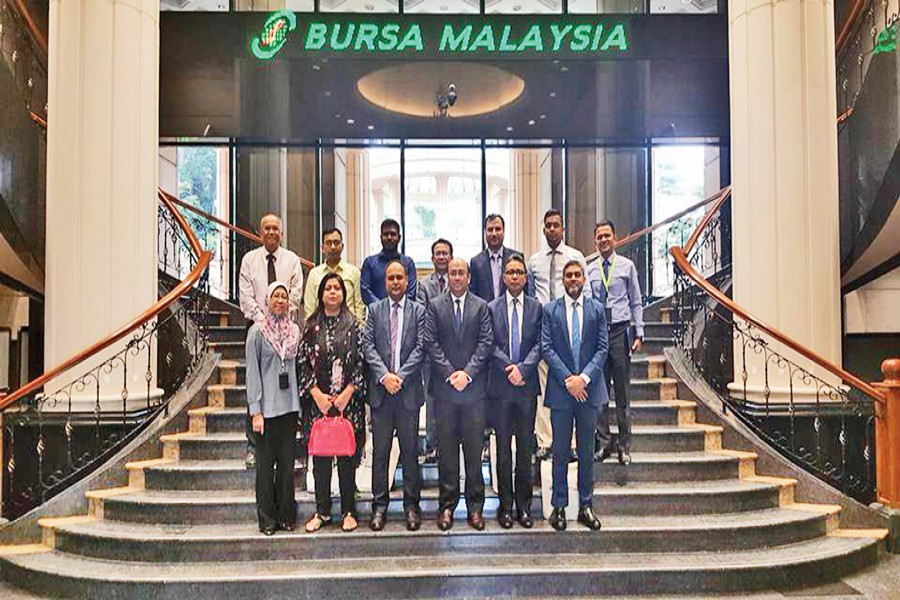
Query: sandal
column 348, row 522
column 317, row 522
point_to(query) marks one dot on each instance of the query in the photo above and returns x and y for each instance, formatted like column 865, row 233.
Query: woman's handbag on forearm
column 332, row 436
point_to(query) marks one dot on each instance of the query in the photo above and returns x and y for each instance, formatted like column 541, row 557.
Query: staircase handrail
column 680, row 256
column 203, row 259
column 34, row 32
column 248, row 235
column 632, row 237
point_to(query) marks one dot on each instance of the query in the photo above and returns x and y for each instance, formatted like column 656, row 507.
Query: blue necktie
column 576, row 335
column 458, row 315
column 606, row 277
column 514, row 343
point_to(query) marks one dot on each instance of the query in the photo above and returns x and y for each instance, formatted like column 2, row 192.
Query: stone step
column 243, row 542
column 232, row 445
column 656, row 345
column 646, row 366
column 664, row 388
column 210, row 475
column 461, row 574
column 201, row 507
column 227, row 333
column 217, row 318
column 658, row 329
column 229, row 350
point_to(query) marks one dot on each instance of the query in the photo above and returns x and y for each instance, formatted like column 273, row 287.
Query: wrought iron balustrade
column 821, row 422
column 26, row 62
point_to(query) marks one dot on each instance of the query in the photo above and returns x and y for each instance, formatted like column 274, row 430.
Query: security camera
column 451, row 94
column 445, row 99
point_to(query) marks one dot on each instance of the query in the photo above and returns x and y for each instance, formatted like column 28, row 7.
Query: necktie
column 271, row 268
column 605, row 280
column 553, row 274
column 514, row 342
column 395, row 323
column 441, row 284
column 576, row 335
column 458, row 315
column 495, row 274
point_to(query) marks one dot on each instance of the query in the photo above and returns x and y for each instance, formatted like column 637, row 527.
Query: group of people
column 530, row 348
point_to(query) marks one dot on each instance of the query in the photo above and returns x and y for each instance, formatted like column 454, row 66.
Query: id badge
column 283, row 382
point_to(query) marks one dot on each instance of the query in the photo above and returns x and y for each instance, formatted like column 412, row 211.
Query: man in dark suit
column 486, row 267
column 574, row 344
column 428, row 289
column 459, row 342
column 513, row 389
column 393, row 343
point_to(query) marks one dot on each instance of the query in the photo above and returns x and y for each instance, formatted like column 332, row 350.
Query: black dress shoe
column 430, row 457
column 602, row 454
column 573, row 456
column 505, row 519
column 558, row 519
column 445, row 519
column 587, row 518
column 525, row 519
column 624, row 457
column 476, row 521
column 413, row 519
column 290, row 526
column 542, row 454
column 377, row 521
column 270, row 530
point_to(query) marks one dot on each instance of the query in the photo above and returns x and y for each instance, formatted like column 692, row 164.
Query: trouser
column 390, row 416
column 542, row 428
column 460, row 422
column 275, row 471
column 617, row 369
column 584, row 416
column 346, row 466
column 515, row 417
column 430, row 429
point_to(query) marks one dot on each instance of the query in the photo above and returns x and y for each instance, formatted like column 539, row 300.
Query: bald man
column 459, row 341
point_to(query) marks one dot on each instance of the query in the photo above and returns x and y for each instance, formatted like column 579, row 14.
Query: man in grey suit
column 513, row 389
column 394, row 350
column 459, row 341
column 428, row 289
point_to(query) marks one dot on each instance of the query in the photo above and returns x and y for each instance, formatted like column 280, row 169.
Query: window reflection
column 442, row 6
column 524, row 7
column 384, row 195
column 359, row 6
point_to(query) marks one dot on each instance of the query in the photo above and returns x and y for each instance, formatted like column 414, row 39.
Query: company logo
column 274, row 34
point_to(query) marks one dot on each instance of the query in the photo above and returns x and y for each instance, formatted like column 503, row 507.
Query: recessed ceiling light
column 531, row 122
column 543, row 117
column 337, row 115
column 327, row 93
column 553, row 94
column 371, row 128
column 509, row 128
column 316, row 67
column 564, row 68
column 351, row 121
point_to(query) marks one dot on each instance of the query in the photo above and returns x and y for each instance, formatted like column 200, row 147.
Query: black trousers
column 390, row 416
column 430, row 429
column 618, row 369
column 275, row 471
column 460, row 422
column 515, row 417
column 346, row 466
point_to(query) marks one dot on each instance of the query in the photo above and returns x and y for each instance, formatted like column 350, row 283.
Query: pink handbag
column 332, row 436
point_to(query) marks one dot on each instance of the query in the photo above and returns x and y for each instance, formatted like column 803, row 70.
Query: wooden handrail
column 34, row 32
column 843, row 36
column 238, row 230
column 203, row 259
column 642, row 232
column 679, row 254
column 38, row 119
column 845, row 115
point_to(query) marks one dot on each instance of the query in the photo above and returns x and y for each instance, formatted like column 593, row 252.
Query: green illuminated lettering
column 559, row 35
column 460, row 42
column 533, row 39
column 412, row 38
column 366, row 36
column 336, row 42
column 389, row 38
column 505, row 46
column 582, row 37
column 315, row 36
column 598, row 31
column 616, row 39
column 484, row 39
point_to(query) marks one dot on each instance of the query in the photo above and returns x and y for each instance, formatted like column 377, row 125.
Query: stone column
column 784, row 172
column 102, row 153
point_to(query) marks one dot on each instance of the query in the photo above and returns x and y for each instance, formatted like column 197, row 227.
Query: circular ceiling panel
column 412, row 88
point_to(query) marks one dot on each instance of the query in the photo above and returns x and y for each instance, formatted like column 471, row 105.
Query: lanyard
column 607, row 278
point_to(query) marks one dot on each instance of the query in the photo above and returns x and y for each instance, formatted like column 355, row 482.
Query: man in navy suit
column 393, row 343
column 574, row 344
column 486, row 267
column 513, row 389
column 459, row 342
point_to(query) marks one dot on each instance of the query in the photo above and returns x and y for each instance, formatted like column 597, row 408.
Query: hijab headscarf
column 280, row 331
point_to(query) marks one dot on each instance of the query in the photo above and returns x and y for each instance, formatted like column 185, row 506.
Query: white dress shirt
column 570, row 308
column 520, row 308
column 254, row 281
column 539, row 267
column 462, row 310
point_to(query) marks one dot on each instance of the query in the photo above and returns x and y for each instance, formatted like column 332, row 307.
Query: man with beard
column 372, row 279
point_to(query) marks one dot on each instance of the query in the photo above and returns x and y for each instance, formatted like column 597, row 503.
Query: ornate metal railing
column 64, row 424
column 813, row 412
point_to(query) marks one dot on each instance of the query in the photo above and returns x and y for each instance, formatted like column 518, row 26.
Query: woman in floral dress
column 332, row 380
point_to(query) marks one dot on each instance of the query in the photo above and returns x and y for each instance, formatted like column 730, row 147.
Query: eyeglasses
column 518, row 272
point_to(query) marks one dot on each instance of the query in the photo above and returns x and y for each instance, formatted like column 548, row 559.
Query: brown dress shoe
column 476, row 521
column 445, row 519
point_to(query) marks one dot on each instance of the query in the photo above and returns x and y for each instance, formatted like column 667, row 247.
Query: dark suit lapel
column 504, row 328
column 560, row 318
column 408, row 334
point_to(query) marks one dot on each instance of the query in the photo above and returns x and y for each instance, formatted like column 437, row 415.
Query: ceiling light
column 327, row 93
column 553, row 94
column 531, row 122
column 337, row 115
column 564, row 68
column 351, row 121
column 316, row 67
column 509, row 128
column 371, row 128
column 543, row 117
